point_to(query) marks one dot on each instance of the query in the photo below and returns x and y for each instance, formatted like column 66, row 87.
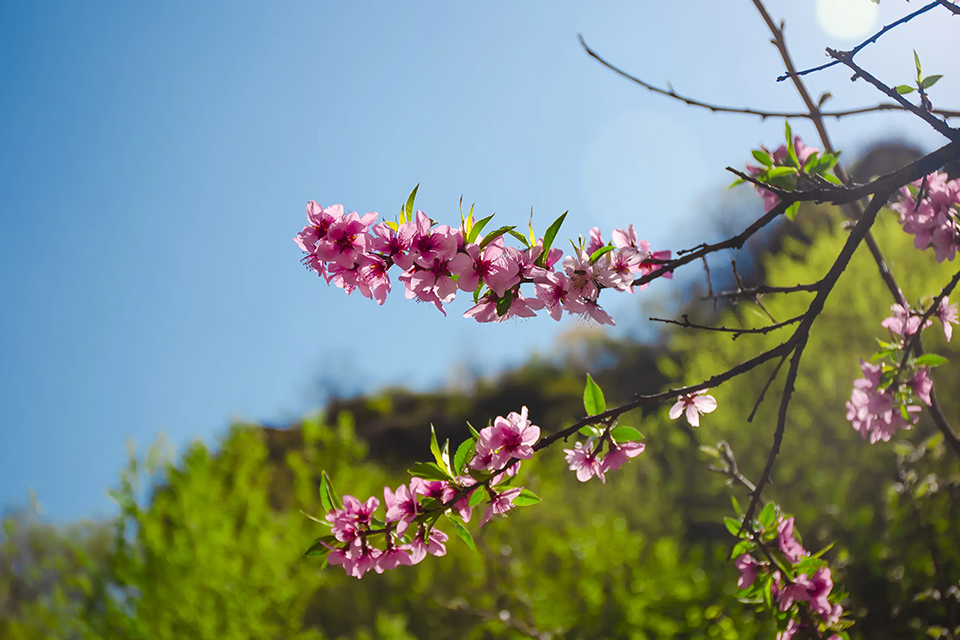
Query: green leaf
column 589, row 430
column 478, row 227
column 462, row 532
column 768, row 514
column 476, row 497
column 763, row 157
column 599, row 253
column 626, row 434
column 791, row 149
column 736, row 505
column 328, row 497
column 435, row 448
column 710, row 451
column 829, row 177
column 930, row 360
column 548, row 238
column 533, row 236
column 526, row 498
column 916, row 59
column 732, row 525
column 503, row 304
column 428, row 471
column 316, row 519
column 929, row 81
column 318, row 548
column 408, row 207
column 824, row 550
column 811, row 162
column 519, row 236
column 742, row 547
column 904, row 89
column 493, row 235
column 463, row 455
column 593, row 402
column 473, row 432
column 792, row 210
column 778, row 172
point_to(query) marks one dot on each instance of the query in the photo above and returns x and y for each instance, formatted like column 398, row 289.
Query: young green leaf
column 599, row 253
column 763, row 157
column 463, row 455
column 408, row 207
column 493, row 235
column 929, row 81
column 904, row 89
column 768, row 514
column 792, row 210
column 428, row 471
column 476, row 497
column 626, row 434
column 549, row 237
column 519, row 236
column 503, row 304
column 732, row 525
column 526, row 498
column 930, row 360
column 916, row 59
column 473, row 432
column 318, row 548
column 593, row 402
column 461, row 532
column 588, row 431
column 435, row 447
column 328, row 497
column 478, row 227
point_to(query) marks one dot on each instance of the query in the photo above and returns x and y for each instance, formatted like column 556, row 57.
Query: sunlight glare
column 847, row 19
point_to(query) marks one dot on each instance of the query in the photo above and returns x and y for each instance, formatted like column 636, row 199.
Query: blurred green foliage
column 211, row 546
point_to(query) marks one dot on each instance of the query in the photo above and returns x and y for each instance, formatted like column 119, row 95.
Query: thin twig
column 763, row 392
column 863, row 44
column 941, row 127
column 914, row 339
column 716, row 108
column 736, row 332
column 751, row 292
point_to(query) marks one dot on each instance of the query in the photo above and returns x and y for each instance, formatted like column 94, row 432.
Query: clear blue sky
column 157, row 157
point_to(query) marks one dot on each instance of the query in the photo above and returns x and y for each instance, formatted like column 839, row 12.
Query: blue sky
column 157, row 158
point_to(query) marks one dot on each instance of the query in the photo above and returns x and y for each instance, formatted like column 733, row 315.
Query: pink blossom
column 932, row 221
column 393, row 245
column 617, row 454
column 346, row 239
column 476, row 266
column 596, row 241
column 555, row 291
column 948, row 317
column 922, row 385
column 372, row 279
column 426, row 244
column 510, row 437
column 580, row 274
column 500, row 504
column 583, row 459
column 354, row 515
column 392, row 558
column 356, row 558
column 788, row 544
column 693, row 405
column 402, row 507
column 748, row 567
column 596, row 313
column 320, row 220
column 433, row 544
column 872, row 410
column 903, row 322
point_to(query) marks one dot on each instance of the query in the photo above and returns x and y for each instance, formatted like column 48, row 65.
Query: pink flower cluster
column 353, row 253
column 881, row 404
column 781, row 158
column 810, row 587
column 586, row 460
column 693, row 405
column 406, row 526
column 934, row 220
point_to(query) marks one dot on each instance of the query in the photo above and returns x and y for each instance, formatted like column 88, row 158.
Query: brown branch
column 716, row 108
column 737, row 332
column 950, row 6
column 863, row 44
column 939, row 125
column 799, row 338
column 752, row 292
